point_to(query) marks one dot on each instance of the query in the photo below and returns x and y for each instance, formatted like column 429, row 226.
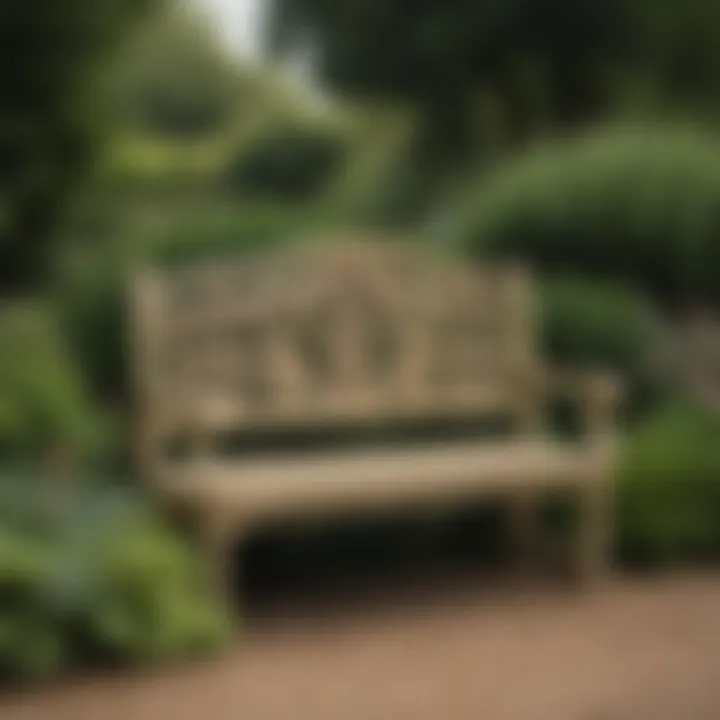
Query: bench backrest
column 327, row 334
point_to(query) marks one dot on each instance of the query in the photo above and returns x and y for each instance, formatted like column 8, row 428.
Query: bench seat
column 261, row 489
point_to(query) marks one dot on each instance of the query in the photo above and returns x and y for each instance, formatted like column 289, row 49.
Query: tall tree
column 439, row 55
column 50, row 53
column 677, row 52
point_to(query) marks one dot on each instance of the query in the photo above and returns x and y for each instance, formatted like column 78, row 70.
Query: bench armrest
column 598, row 394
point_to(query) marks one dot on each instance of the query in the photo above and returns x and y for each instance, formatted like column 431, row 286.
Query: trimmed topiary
column 637, row 204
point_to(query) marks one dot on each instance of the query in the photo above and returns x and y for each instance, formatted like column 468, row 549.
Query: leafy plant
column 107, row 580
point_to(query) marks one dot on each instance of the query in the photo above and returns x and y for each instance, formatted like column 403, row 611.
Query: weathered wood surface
column 348, row 331
column 344, row 481
column 344, row 333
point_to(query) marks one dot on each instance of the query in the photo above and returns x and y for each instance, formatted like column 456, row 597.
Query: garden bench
column 334, row 335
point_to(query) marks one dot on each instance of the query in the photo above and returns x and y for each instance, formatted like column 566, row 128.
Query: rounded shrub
column 602, row 324
column 591, row 321
column 151, row 601
column 669, row 487
column 32, row 641
column 106, row 580
column 637, row 204
column 291, row 163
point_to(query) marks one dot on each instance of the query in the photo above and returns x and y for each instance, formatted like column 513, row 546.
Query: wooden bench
column 336, row 335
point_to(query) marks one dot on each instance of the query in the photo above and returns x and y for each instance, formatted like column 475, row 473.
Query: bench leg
column 219, row 536
column 525, row 532
column 595, row 534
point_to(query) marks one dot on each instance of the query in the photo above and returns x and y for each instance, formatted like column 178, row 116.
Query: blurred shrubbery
column 44, row 407
column 587, row 322
column 103, row 579
column 173, row 80
column 669, row 487
column 291, row 164
column 86, row 575
column 639, row 205
column 212, row 233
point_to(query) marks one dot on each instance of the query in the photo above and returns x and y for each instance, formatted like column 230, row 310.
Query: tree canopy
column 174, row 80
column 545, row 65
column 50, row 53
column 439, row 54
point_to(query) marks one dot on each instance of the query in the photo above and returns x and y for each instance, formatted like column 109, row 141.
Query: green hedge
column 105, row 581
column 636, row 204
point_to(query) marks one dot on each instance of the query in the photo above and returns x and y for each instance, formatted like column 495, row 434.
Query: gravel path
column 643, row 649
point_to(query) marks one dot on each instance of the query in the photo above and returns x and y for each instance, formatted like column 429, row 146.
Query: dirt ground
column 642, row 649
